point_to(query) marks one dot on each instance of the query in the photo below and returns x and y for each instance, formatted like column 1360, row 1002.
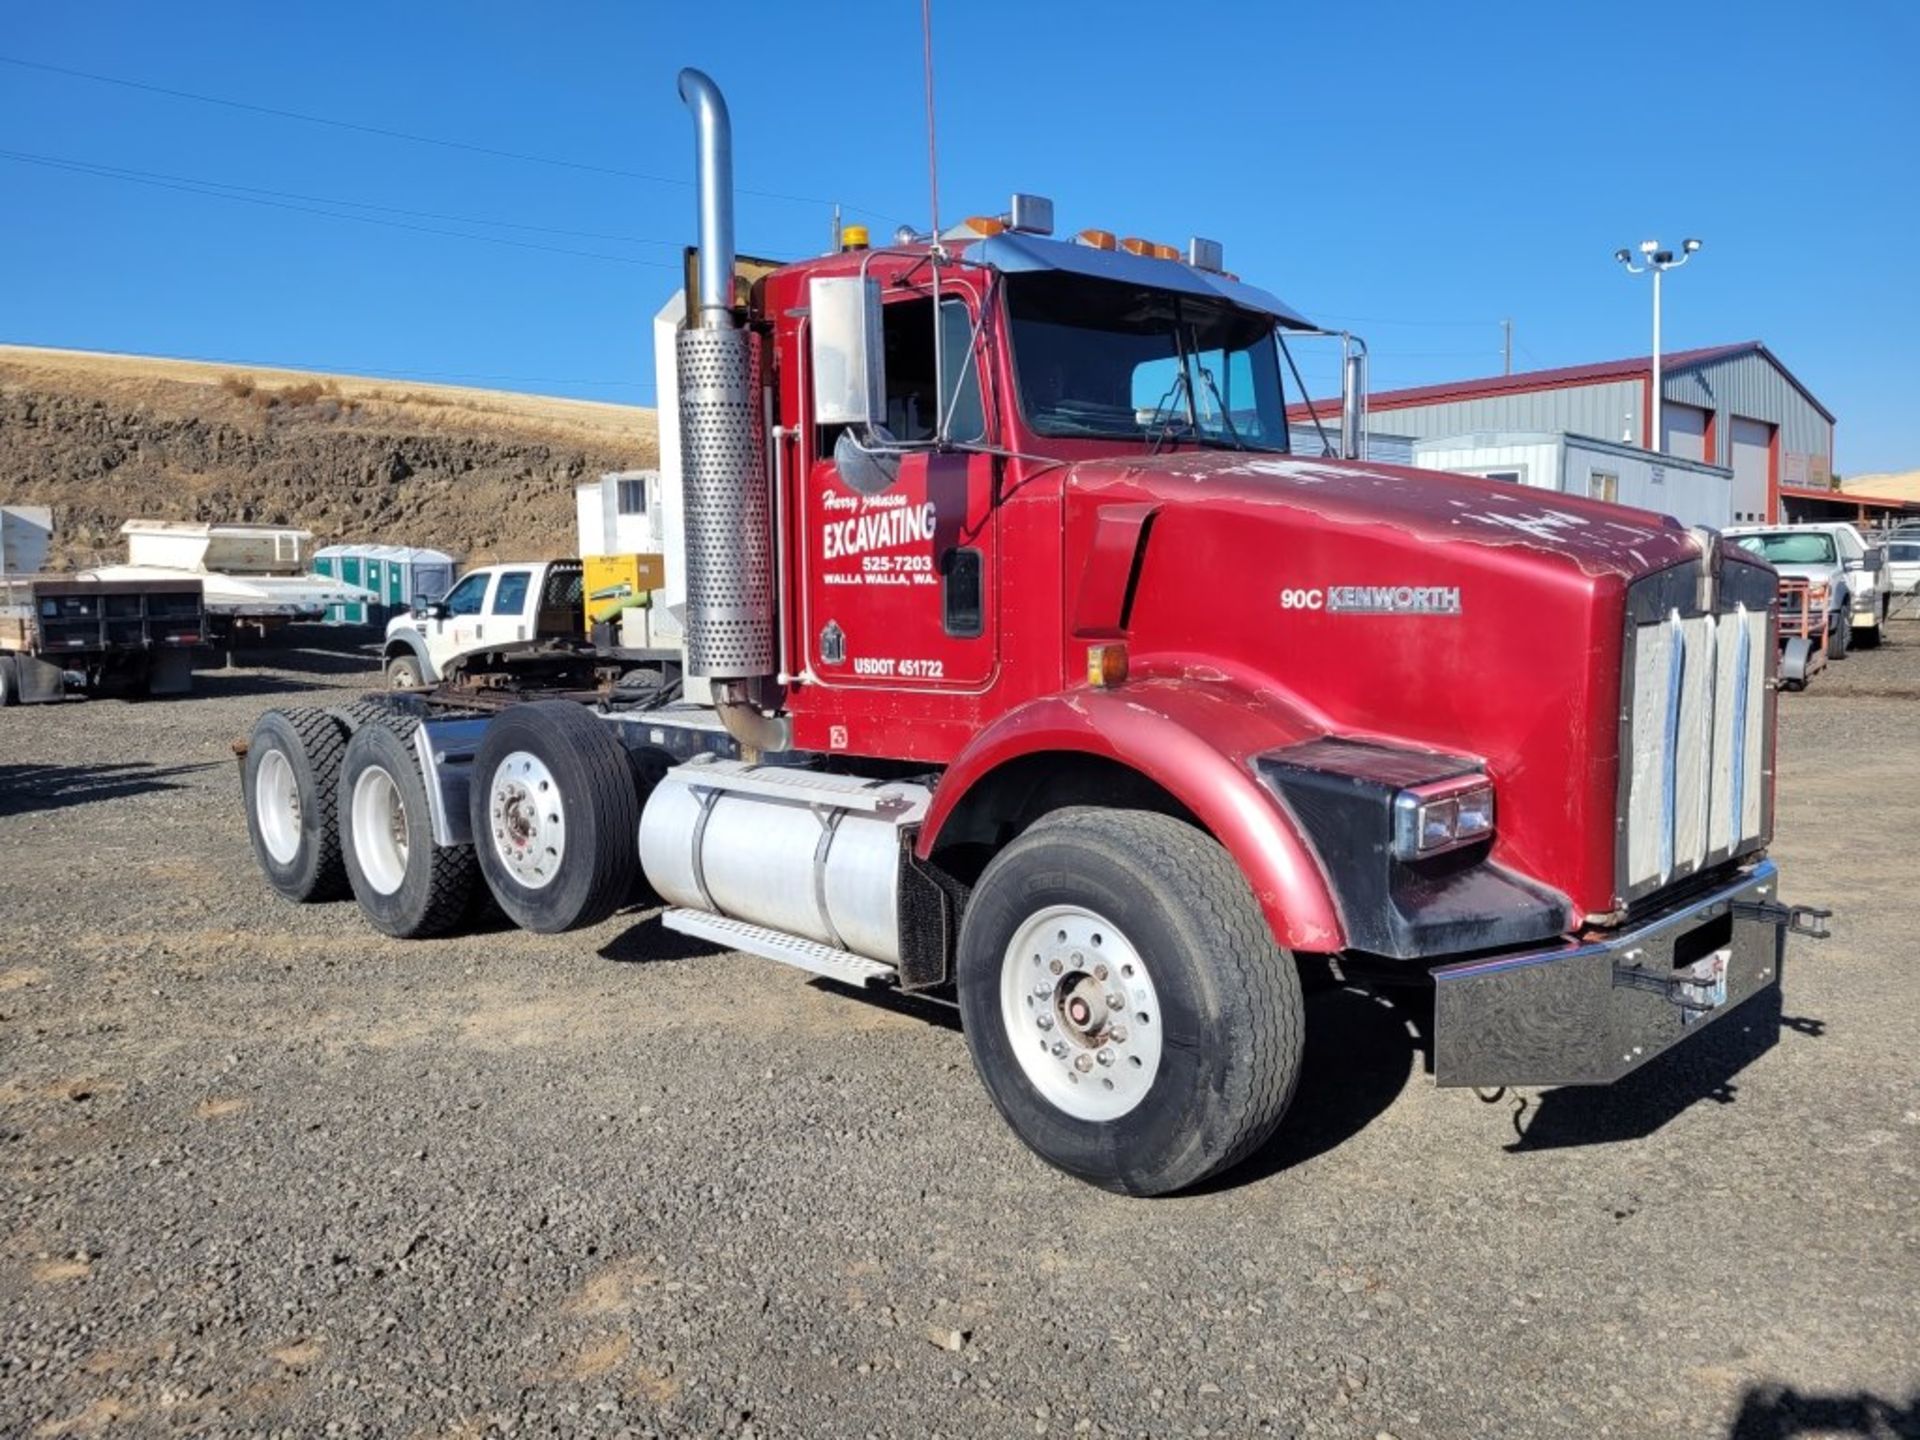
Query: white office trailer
column 620, row 514
column 395, row 576
column 1692, row 492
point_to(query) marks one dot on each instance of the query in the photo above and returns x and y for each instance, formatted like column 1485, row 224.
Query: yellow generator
column 618, row 591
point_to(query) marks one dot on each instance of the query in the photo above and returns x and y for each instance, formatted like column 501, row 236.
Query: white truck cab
column 490, row 608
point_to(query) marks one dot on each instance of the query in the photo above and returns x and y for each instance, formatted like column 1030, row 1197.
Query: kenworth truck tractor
column 1026, row 667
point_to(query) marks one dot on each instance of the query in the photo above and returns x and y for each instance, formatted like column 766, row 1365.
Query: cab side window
column 906, row 337
column 465, row 598
column 510, row 595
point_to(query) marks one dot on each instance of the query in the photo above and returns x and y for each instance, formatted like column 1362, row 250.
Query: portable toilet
column 396, row 573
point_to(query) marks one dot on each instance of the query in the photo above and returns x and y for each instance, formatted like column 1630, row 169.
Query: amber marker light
column 1106, row 665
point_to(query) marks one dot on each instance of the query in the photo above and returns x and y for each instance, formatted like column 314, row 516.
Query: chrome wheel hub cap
column 527, row 819
column 1081, row 1013
column 380, row 832
column 276, row 806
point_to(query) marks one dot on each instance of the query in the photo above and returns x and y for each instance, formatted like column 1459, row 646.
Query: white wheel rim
column 400, row 677
column 528, row 819
column 1060, row 979
column 380, row 831
column 276, row 805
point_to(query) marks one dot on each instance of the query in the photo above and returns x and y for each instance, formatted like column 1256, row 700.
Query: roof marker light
column 1098, row 239
column 985, row 224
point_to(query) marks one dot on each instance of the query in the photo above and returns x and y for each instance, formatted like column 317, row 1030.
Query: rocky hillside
column 481, row 474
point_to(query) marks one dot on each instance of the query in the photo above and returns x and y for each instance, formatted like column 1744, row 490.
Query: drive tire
column 290, row 784
column 554, row 868
column 9, row 682
column 406, row 885
column 1228, row 999
column 404, row 672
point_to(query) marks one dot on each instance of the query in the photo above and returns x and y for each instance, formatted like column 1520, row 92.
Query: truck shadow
column 26, row 789
column 1779, row 1412
column 1701, row 1070
column 650, row 941
column 314, row 650
column 1361, row 1049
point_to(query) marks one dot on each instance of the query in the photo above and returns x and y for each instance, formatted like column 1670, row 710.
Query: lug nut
column 1045, row 1022
column 1078, row 959
column 1115, row 1002
column 1099, row 972
column 1059, row 1049
column 1082, row 1063
column 1118, row 1034
column 1055, row 966
column 1105, row 1057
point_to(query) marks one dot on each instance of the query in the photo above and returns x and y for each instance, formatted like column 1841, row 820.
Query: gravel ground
column 265, row 1171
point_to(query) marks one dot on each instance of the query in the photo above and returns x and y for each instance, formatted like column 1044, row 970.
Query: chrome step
column 841, row 965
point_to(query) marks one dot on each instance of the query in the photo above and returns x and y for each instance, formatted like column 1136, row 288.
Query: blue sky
column 1415, row 171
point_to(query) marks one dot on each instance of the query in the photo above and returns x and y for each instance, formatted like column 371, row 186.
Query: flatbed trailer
column 61, row 634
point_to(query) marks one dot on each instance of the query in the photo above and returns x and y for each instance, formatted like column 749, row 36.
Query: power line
column 125, row 172
column 191, row 188
column 385, row 133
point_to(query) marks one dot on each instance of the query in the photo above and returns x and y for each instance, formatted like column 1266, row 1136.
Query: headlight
column 1430, row 819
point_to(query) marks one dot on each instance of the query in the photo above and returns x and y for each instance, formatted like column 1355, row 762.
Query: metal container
column 796, row 851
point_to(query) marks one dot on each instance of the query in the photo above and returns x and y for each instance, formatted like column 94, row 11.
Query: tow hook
column 1807, row 920
column 1696, row 989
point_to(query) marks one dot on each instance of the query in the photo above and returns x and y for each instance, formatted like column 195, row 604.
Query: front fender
column 409, row 642
column 1195, row 739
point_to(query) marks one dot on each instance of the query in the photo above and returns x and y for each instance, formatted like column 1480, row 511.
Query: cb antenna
column 933, row 164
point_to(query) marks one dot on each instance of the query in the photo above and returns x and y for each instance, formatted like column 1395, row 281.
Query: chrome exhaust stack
column 727, row 499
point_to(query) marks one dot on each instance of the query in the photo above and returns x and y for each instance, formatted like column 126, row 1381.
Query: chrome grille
column 1693, row 721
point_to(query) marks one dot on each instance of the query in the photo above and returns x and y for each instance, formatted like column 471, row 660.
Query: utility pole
column 1506, row 345
column 1659, row 262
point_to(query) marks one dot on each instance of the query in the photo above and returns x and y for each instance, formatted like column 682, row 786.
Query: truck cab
column 1858, row 585
column 1029, row 669
column 486, row 609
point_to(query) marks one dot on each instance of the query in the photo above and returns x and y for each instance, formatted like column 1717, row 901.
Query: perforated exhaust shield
column 729, row 620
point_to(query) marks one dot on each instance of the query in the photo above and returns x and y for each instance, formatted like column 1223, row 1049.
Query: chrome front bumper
column 1587, row 1013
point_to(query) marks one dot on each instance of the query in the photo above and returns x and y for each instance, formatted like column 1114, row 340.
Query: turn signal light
column 985, row 225
column 1098, row 239
column 1106, row 664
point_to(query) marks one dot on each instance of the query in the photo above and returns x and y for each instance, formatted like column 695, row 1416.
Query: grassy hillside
column 483, row 474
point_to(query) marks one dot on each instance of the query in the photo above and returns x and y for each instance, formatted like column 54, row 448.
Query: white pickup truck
column 1836, row 555
column 493, row 607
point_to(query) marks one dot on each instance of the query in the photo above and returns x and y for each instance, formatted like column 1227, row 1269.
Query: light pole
column 1659, row 262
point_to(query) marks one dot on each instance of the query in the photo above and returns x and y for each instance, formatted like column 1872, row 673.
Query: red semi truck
column 1025, row 665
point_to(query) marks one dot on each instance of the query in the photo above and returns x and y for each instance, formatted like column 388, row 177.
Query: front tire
column 407, row 886
column 404, row 672
column 1194, row 1069
column 289, row 784
column 9, row 682
column 1840, row 635
column 555, row 811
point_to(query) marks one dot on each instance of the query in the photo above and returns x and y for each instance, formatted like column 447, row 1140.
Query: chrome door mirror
column 867, row 471
column 849, row 361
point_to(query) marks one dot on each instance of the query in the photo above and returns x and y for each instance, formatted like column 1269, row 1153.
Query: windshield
column 1791, row 547
column 1099, row 358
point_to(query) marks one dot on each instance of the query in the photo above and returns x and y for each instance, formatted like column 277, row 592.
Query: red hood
column 1428, row 506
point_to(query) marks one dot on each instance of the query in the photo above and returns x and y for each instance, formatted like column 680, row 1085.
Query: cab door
column 898, row 587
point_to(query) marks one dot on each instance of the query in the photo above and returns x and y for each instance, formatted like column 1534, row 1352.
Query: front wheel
column 1839, row 635
column 404, row 673
column 1124, row 1002
column 555, row 811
